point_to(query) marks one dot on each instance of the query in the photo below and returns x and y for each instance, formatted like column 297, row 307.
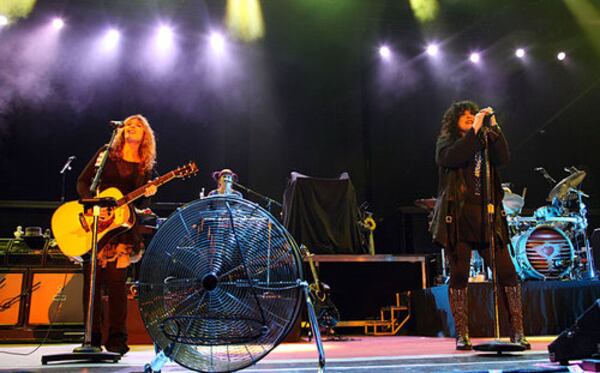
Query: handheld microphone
column 116, row 123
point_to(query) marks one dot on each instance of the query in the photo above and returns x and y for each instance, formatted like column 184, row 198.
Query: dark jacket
column 452, row 156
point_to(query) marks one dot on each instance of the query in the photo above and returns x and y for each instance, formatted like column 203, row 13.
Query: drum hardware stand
column 86, row 352
column 546, row 175
column 590, row 270
column 496, row 345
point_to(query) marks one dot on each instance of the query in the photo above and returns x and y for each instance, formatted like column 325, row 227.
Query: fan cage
column 220, row 284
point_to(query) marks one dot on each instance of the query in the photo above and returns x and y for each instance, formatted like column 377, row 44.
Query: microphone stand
column 268, row 201
column 87, row 352
column 63, row 173
column 496, row 345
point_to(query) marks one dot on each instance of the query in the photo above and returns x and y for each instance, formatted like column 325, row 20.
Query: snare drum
column 543, row 252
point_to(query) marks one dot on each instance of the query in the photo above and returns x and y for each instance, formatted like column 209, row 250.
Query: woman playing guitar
column 129, row 166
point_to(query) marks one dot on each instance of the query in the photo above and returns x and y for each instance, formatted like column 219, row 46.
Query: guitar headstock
column 184, row 171
column 305, row 253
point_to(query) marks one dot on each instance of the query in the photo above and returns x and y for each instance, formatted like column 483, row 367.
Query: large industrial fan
column 220, row 286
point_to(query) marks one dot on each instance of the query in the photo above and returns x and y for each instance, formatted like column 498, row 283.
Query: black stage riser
column 549, row 307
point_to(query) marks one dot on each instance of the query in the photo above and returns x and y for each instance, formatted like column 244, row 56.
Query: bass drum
column 543, row 252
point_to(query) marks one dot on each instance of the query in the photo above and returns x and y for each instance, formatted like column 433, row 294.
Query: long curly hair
column 450, row 119
column 147, row 150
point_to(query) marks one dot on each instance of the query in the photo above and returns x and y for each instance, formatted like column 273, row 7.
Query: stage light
column 244, row 19
column 58, row 23
column 425, row 10
column 111, row 38
column 161, row 50
column 561, row 56
column 385, row 52
column 14, row 10
column 432, row 50
column 164, row 37
column 474, row 57
column 3, row 20
column 217, row 41
column 520, row 52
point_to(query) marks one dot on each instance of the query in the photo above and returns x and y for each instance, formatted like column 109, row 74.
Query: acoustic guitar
column 72, row 224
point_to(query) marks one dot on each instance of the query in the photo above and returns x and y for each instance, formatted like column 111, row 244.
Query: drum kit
column 553, row 243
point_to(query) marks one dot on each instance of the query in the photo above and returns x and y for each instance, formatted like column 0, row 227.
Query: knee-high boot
column 515, row 315
column 460, row 311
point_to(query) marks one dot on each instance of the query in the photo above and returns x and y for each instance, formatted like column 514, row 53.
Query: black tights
column 113, row 281
column 460, row 260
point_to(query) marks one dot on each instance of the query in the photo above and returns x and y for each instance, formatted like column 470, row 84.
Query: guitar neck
column 139, row 192
column 313, row 269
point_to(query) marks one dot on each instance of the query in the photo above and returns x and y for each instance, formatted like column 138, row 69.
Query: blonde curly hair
column 147, row 150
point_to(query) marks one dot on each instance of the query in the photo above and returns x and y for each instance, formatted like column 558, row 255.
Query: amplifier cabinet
column 11, row 298
column 56, row 298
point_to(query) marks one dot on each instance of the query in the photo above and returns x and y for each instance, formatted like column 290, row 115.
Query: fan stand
column 86, row 352
column 314, row 325
column 164, row 356
column 496, row 345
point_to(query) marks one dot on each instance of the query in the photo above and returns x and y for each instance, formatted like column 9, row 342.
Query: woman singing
column 459, row 219
column 129, row 165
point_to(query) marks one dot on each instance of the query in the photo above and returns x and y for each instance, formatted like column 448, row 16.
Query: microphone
column 67, row 165
column 487, row 119
column 539, row 169
column 116, row 123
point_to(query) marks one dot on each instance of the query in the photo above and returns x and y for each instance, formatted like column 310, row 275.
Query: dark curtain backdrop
column 311, row 96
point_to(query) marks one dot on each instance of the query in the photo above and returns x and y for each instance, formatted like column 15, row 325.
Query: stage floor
column 357, row 354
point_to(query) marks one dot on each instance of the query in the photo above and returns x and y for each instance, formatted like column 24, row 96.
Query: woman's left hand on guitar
column 150, row 190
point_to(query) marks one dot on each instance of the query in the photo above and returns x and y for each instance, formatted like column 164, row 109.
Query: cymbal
column 426, row 203
column 561, row 190
column 513, row 203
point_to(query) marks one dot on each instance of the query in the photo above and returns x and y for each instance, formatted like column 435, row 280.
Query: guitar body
column 72, row 226
column 327, row 313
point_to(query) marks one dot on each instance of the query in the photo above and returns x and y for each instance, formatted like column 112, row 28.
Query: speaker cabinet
column 11, row 295
column 56, row 298
column 580, row 341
